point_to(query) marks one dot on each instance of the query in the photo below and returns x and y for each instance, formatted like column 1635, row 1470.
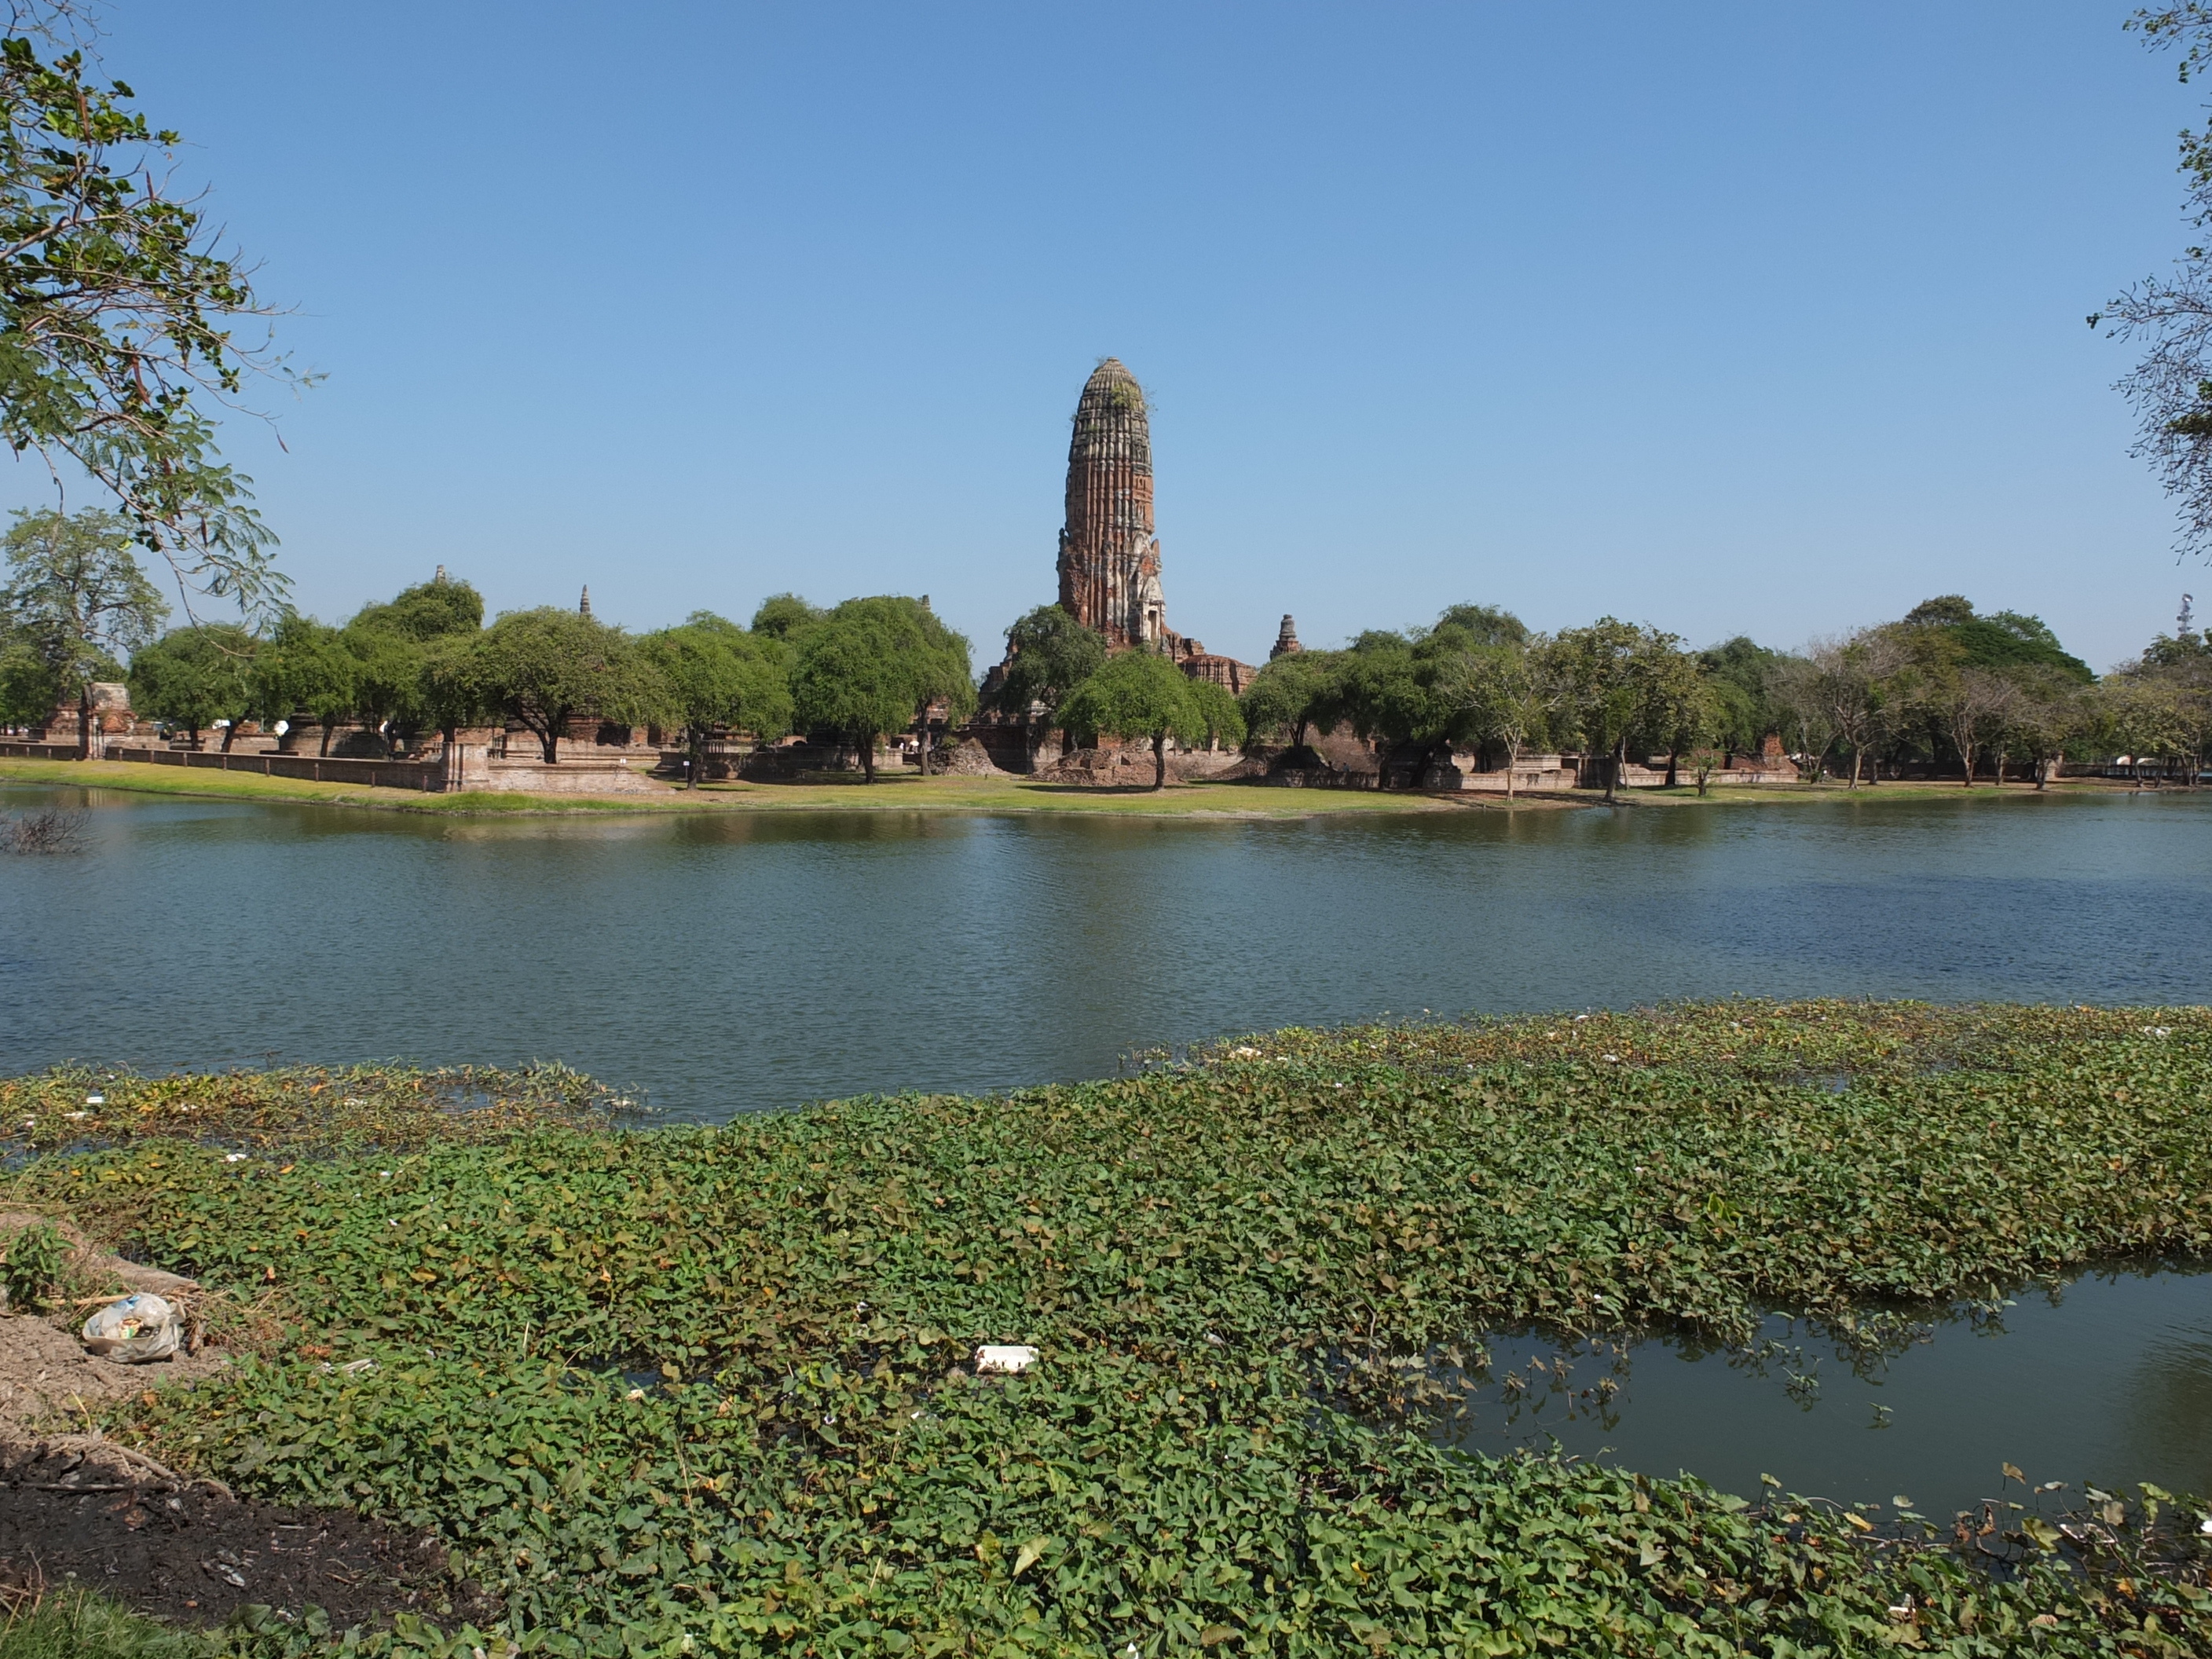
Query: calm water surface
column 728, row 962
column 2108, row 1381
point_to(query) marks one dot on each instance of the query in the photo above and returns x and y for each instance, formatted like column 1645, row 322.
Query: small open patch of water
column 2106, row 1382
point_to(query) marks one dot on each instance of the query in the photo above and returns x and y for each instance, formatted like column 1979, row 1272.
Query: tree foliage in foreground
column 2170, row 316
column 116, row 309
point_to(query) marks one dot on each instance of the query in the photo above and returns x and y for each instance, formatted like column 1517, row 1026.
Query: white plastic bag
column 135, row 1330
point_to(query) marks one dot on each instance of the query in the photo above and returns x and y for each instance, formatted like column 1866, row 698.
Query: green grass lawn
column 895, row 792
column 898, row 792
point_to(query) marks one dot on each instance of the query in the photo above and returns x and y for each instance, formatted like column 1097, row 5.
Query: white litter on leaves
column 95, row 1100
column 1004, row 1357
column 136, row 1330
column 234, row 1158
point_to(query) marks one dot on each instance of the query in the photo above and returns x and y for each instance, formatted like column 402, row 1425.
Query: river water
column 728, row 962
column 731, row 962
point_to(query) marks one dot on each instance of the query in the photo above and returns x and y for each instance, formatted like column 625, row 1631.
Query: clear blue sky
column 1730, row 318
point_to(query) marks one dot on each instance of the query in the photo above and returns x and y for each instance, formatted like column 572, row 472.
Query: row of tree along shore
column 1942, row 690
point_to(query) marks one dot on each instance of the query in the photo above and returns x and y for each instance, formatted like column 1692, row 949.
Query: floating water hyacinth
column 1237, row 1269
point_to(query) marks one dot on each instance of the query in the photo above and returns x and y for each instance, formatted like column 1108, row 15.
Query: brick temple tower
column 1109, row 559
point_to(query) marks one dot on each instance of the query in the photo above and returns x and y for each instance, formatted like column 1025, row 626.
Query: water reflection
column 735, row 961
column 2106, row 1382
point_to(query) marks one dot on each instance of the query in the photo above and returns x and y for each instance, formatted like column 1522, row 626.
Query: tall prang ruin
column 1109, row 554
column 1109, row 564
column 1109, row 551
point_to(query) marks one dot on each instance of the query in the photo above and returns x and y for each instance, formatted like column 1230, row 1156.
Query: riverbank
column 912, row 793
column 718, row 1387
column 895, row 793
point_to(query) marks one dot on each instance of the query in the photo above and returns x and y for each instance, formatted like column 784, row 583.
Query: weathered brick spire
column 1109, row 559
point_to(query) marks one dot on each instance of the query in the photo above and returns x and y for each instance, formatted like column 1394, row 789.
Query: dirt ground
column 76, row 1508
column 194, row 1554
column 47, row 1377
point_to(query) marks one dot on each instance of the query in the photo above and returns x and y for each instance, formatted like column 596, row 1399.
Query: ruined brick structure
column 1109, row 556
column 1110, row 553
column 1196, row 660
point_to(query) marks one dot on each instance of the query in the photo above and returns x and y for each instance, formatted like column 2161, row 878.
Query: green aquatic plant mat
column 714, row 1385
column 298, row 1108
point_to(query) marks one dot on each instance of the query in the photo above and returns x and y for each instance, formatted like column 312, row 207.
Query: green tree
column 1865, row 693
column 1609, row 680
column 719, row 676
column 1974, row 704
column 392, row 646
column 426, row 611
column 1683, row 711
column 785, row 616
column 1220, row 720
column 1482, row 625
column 2050, row 710
column 877, row 665
column 1802, row 701
column 388, row 677
column 1412, row 695
column 1138, row 696
column 1379, row 695
column 76, row 599
column 544, row 667
column 2139, row 717
column 116, row 315
column 450, row 688
column 196, row 677
column 305, row 668
column 1292, row 694
column 1738, row 671
column 1048, row 654
column 1508, row 701
column 2161, row 704
column 29, row 688
column 2004, row 639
